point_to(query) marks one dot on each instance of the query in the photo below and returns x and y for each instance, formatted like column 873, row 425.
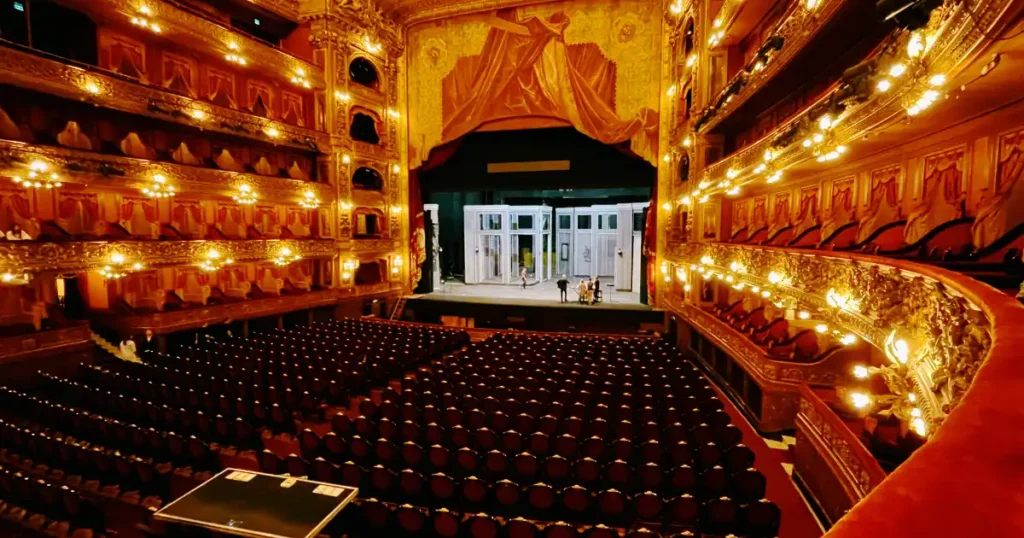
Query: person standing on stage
column 563, row 289
column 583, row 291
column 597, row 288
column 522, row 276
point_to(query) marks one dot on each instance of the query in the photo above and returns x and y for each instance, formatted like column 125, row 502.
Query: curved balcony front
column 960, row 364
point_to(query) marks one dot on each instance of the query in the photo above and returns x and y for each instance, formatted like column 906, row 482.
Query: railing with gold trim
column 800, row 26
column 36, row 72
column 829, row 459
column 198, row 32
column 35, row 256
column 44, row 343
column 956, row 35
column 778, row 380
column 85, row 166
column 966, row 373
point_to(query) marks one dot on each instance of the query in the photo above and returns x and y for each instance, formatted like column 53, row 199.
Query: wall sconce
column 14, row 279
column 213, row 262
column 286, row 257
column 309, row 201
column 396, row 210
column 396, row 265
column 395, row 168
column 346, row 159
column 233, row 56
column 299, row 78
column 393, row 113
column 142, row 20
column 349, row 266
column 345, row 205
column 160, row 189
column 342, row 96
column 246, row 196
column 92, row 88
column 117, row 270
column 38, row 178
column 272, row 132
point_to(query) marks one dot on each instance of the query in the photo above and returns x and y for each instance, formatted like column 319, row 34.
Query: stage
column 496, row 306
column 540, row 294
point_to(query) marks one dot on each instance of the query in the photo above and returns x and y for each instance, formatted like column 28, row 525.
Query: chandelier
column 13, row 279
column 38, row 177
column 117, row 269
column 310, row 201
column 160, row 189
column 246, row 195
column 213, row 262
column 285, row 257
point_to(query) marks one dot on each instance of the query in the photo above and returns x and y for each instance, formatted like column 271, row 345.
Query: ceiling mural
column 596, row 69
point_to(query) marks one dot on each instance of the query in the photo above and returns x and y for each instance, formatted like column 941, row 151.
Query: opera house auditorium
column 511, row 268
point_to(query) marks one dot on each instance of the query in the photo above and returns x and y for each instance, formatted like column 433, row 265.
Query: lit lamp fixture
column 775, row 176
column 117, row 268
column 707, row 260
column 671, row 90
column 142, row 20
column 246, row 195
column 395, row 168
column 299, row 78
column 394, row 113
column 272, row 132
column 39, row 176
column 803, row 314
column 735, row 267
column 688, row 141
column 396, row 209
column 309, row 201
column 733, row 191
column 687, row 288
column 213, row 261
column 371, row 46
column 197, row 114
column 848, row 340
column 345, row 159
column 233, row 56
column 703, row 199
column 159, row 189
column 860, row 401
column 690, row 60
column 342, row 96
column 285, row 257
column 350, row 265
column 685, row 200
column 841, row 301
column 345, row 205
column 896, row 349
column 396, row 265
column 8, row 278
column 92, row 87
column 676, row 8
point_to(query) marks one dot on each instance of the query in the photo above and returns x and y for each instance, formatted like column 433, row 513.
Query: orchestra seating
column 518, row 435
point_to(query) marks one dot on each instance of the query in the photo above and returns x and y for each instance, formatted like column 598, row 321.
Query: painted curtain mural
column 594, row 67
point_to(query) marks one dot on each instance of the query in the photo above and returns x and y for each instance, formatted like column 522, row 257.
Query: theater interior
column 289, row 268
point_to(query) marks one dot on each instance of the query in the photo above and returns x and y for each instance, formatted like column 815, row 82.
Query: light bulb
column 803, row 314
column 860, row 400
column 860, row 372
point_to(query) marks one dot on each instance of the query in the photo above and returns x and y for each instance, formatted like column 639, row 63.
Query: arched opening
column 362, row 72
column 364, row 129
column 684, row 167
column 369, row 273
column 688, row 102
column 64, row 32
column 367, row 179
column 688, row 37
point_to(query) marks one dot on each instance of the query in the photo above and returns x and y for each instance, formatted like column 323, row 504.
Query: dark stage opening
column 554, row 167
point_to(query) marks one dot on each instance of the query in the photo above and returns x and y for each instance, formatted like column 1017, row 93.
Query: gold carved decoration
column 137, row 173
column 82, row 255
column 49, row 76
column 949, row 337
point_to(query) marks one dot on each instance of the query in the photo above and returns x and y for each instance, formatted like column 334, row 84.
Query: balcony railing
column 963, row 367
column 88, row 167
column 39, row 71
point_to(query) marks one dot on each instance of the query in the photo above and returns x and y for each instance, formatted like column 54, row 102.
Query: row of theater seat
column 42, row 506
column 775, row 336
column 472, row 457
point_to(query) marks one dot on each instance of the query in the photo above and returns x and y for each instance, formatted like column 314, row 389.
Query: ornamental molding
column 857, row 468
column 288, row 9
column 36, row 73
column 98, row 170
column 34, row 257
column 950, row 336
column 796, row 30
column 190, row 318
column 956, row 36
column 203, row 35
column 770, row 373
